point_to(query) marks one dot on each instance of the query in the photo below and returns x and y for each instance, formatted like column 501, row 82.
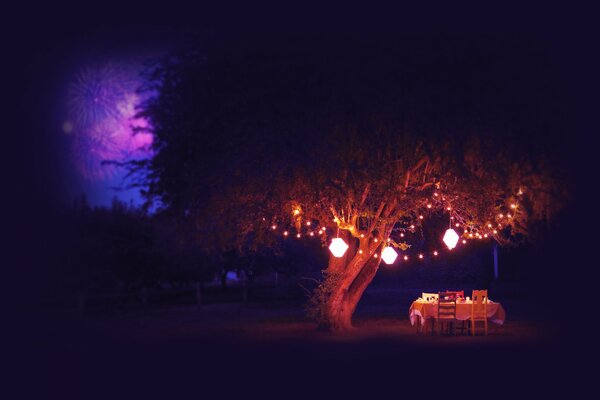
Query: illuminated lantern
column 338, row 247
column 450, row 238
column 389, row 255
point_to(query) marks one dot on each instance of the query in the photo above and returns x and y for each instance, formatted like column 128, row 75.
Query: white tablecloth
column 424, row 310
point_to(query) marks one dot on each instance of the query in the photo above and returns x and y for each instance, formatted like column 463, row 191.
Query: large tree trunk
column 350, row 276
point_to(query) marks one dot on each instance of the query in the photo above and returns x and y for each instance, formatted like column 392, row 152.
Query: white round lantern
column 450, row 238
column 338, row 247
column 388, row 255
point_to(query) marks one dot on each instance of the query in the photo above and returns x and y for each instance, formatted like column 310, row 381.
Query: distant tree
column 360, row 140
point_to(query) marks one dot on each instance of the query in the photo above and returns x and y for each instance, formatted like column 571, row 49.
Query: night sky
column 70, row 50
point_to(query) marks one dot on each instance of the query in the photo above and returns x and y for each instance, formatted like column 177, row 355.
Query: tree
column 359, row 140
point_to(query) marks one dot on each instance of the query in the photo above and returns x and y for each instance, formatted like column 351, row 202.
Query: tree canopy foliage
column 247, row 130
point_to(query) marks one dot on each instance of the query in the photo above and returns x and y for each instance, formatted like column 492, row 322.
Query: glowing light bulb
column 448, row 208
column 285, row 233
column 296, row 211
column 405, row 258
column 298, row 235
column 388, row 255
column 375, row 255
column 457, row 225
column 470, row 235
column 495, row 231
column 485, row 235
column 375, row 240
column 450, row 238
column 513, row 206
column 435, row 194
column 412, row 227
column 312, row 234
column 500, row 215
column 421, row 256
column 420, row 217
column 338, row 247
column 274, row 227
column 323, row 228
column 402, row 235
column 360, row 252
column 428, row 205
column 435, row 253
column 520, row 192
column 362, row 235
column 320, row 232
column 509, row 216
column 489, row 225
column 308, row 223
column 464, row 241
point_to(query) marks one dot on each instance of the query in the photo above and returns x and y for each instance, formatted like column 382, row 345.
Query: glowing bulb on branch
column 308, row 223
column 402, row 235
column 296, row 211
column 405, row 258
column 495, row 231
column 360, row 252
column 285, row 233
column 489, row 225
column 388, row 255
column 338, row 247
column 298, row 236
column 362, row 235
column 421, row 256
column 312, row 234
column 457, row 225
column 375, row 240
column 435, row 253
column 450, row 238
column 375, row 255
column 274, row 227
column 464, row 241
column 428, row 205
column 420, row 217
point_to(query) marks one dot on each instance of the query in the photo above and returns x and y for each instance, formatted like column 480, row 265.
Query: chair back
column 429, row 296
column 446, row 306
column 479, row 305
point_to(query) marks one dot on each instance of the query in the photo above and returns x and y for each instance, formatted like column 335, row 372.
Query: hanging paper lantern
column 450, row 238
column 338, row 247
column 389, row 255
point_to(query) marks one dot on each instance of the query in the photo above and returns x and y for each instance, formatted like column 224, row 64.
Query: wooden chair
column 460, row 294
column 479, row 309
column 446, row 311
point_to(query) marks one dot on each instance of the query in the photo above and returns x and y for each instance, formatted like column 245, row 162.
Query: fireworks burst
column 102, row 105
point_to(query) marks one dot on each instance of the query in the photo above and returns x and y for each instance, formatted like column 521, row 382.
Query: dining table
column 422, row 310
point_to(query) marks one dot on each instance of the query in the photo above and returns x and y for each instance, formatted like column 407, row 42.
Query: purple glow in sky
column 102, row 104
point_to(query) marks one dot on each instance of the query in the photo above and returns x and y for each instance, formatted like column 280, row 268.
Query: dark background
column 39, row 42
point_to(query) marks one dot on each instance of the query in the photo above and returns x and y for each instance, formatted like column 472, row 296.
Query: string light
column 312, row 234
column 285, row 233
column 421, row 256
column 402, row 235
column 405, row 258
column 360, row 252
column 448, row 208
column 375, row 255
column 362, row 235
column 457, row 225
column 274, row 227
column 495, row 231
column 470, row 235
column 296, row 211
column 435, row 194
column 485, row 235
column 375, row 240
column 489, row 225
column 428, row 205
column 435, row 253
column 509, row 216
column 420, row 217
column 298, row 236
column 308, row 223
column 412, row 227
column 513, row 206
column 464, row 241
column 501, row 215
